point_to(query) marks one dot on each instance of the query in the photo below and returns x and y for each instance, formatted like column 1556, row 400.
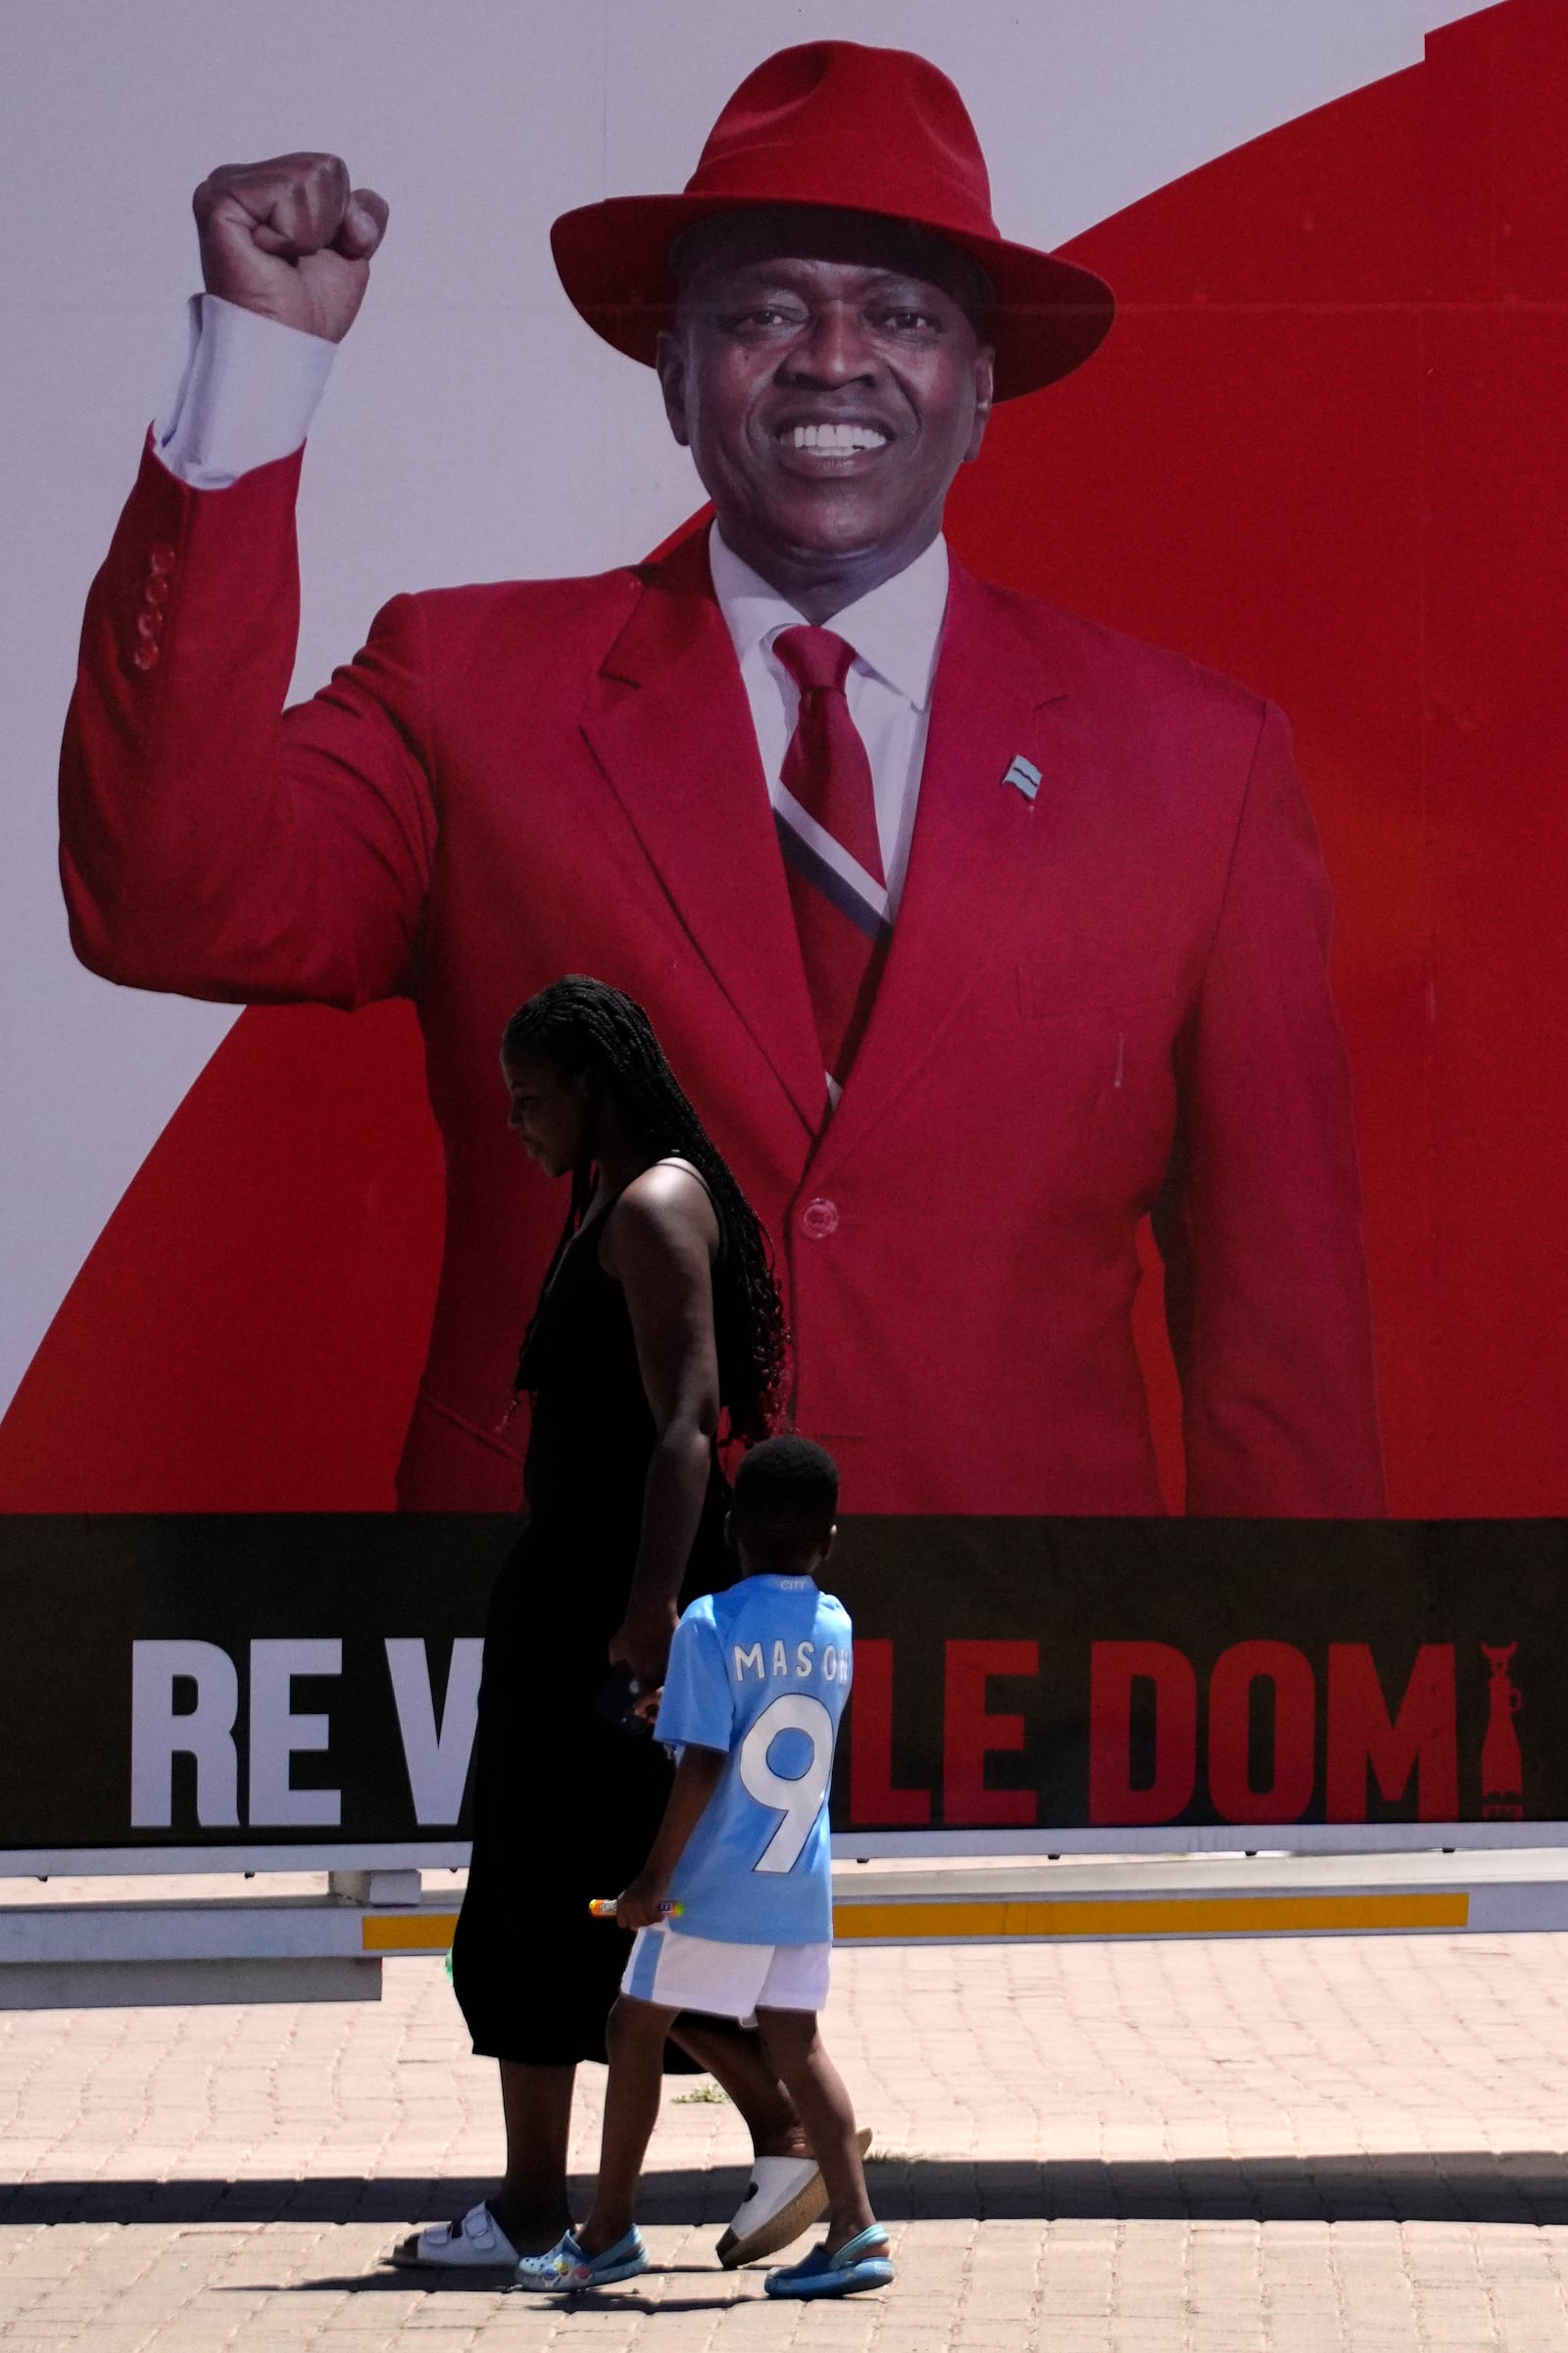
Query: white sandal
column 783, row 2197
column 475, row 2243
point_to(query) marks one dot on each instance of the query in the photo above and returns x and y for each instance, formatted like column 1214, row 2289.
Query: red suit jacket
column 517, row 781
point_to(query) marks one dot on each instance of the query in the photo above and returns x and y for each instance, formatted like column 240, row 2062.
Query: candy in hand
column 605, row 1907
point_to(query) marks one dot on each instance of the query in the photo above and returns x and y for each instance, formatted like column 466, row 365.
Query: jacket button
column 156, row 590
column 161, row 556
column 145, row 655
column 149, row 622
column 819, row 1218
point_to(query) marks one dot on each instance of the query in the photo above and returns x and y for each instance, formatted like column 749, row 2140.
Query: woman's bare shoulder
column 665, row 1210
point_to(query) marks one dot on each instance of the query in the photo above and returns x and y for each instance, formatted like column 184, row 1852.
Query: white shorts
column 728, row 1981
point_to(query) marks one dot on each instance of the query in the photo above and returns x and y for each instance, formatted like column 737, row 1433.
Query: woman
column 658, row 1330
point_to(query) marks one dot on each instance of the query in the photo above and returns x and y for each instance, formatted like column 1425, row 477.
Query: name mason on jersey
column 835, row 1662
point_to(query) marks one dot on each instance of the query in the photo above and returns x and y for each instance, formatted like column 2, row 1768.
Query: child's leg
column 735, row 2059
column 635, row 2037
column 795, row 2047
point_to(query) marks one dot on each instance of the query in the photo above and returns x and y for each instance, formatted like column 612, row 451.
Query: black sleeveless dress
column 566, row 1805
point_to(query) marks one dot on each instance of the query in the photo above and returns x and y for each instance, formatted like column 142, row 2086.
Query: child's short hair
column 786, row 1496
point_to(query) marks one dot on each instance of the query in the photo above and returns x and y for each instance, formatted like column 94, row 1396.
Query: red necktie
column 843, row 926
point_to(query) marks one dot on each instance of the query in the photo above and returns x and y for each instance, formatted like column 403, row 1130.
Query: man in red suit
column 976, row 931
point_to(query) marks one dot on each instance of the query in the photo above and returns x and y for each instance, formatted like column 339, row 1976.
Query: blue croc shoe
column 861, row 2263
column 564, row 2269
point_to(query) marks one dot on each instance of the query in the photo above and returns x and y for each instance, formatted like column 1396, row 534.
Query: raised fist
column 291, row 239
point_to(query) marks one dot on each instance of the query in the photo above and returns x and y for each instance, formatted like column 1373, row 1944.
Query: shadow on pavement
column 1519, row 2185
column 621, row 2296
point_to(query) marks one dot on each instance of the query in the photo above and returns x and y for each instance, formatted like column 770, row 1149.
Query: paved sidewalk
column 1266, row 2145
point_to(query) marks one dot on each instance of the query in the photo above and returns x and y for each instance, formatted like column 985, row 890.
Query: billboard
column 1107, row 1226
column 267, row 1692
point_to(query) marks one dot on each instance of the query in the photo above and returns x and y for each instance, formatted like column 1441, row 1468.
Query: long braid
column 578, row 1024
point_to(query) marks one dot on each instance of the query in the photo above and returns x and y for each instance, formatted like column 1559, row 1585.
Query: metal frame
column 1235, row 1894
column 219, row 1948
column 138, row 1862
column 332, row 1947
column 1190, row 1838
column 893, row 1845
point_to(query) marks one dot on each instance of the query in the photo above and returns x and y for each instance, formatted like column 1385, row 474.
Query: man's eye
column 909, row 321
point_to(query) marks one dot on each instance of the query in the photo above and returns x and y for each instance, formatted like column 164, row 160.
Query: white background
column 474, row 428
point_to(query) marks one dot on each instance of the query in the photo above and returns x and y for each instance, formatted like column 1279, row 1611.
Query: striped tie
column 840, row 903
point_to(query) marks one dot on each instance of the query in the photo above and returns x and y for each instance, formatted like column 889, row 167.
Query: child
column 757, row 1683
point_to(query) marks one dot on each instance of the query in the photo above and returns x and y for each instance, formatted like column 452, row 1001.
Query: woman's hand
column 642, row 1642
column 638, row 1905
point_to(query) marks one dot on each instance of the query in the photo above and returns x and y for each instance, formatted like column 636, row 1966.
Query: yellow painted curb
column 407, row 1931
column 940, row 1922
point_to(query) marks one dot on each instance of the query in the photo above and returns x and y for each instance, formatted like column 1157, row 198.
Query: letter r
column 205, row 1731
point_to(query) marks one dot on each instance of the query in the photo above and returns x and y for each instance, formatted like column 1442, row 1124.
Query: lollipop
column 605, row 1907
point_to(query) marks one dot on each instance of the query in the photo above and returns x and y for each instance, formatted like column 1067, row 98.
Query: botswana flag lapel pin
column 1023, row 775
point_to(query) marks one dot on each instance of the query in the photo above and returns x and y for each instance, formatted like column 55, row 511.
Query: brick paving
column 1192, row 2148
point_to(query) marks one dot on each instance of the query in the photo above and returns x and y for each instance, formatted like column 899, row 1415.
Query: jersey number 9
column 798, row 1801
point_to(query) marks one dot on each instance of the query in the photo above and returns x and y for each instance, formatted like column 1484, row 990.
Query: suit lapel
column 978, row 846
column 670, row 724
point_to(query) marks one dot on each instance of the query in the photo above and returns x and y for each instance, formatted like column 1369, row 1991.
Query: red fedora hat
column 861, row 131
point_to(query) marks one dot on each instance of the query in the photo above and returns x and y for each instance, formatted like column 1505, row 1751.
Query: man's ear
column 985, row 376
column 828, row 1542
column 729, row 1530
column 670, row 359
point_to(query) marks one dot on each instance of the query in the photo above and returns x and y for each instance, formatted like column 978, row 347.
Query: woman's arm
column 696, row 1779
column 659, row 1244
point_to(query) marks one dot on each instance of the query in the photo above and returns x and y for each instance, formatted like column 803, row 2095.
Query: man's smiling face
column 827, row 374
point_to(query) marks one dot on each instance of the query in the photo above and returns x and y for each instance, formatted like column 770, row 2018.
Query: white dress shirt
column 247, row 395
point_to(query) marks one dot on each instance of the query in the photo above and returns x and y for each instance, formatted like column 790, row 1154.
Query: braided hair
column 578, row 1026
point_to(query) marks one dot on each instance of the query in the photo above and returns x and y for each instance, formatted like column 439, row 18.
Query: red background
column 1323, row 451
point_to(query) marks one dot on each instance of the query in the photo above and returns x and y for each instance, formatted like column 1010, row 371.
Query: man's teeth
column 839, row 440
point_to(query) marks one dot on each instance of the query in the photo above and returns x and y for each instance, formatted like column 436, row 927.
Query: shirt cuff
column 248, row 395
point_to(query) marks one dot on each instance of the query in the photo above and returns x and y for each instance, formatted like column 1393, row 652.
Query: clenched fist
column 291, row 239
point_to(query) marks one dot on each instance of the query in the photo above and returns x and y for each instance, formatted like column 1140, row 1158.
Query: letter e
column 276, row 1734
column 969, row 1735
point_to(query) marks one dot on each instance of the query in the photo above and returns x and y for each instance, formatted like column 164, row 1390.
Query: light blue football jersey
column 761, row 1672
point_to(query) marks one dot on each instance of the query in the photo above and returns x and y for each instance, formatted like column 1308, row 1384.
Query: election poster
column 1175, row 1272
